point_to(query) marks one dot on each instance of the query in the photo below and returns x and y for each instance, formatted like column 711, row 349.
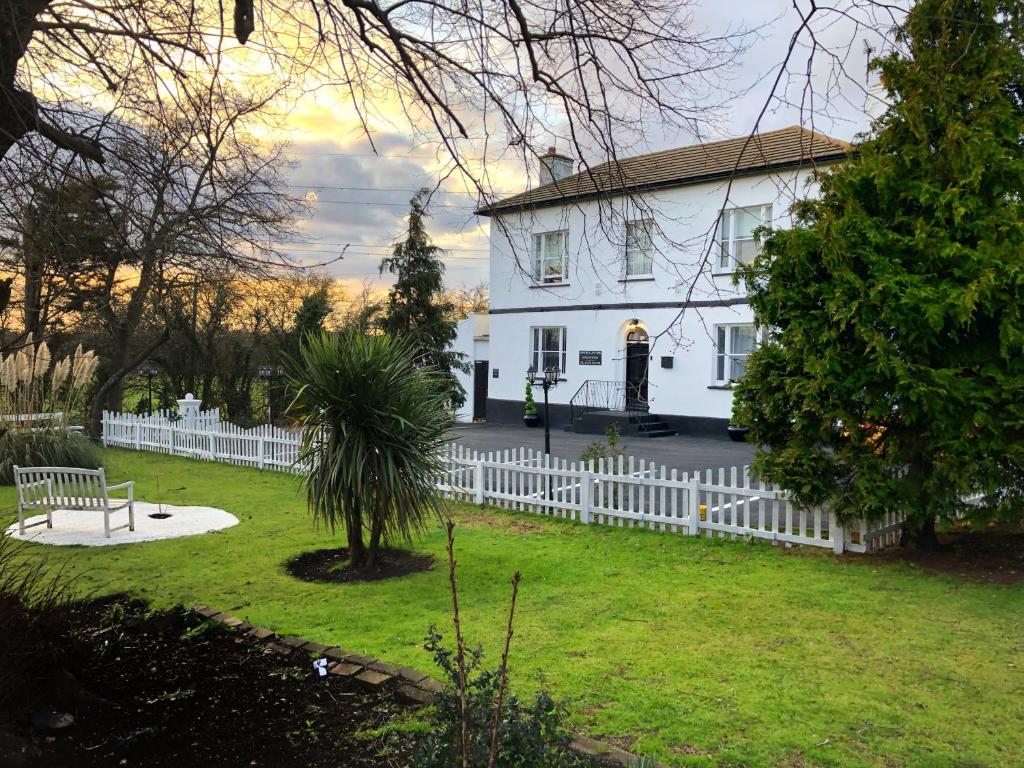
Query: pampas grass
column 35, row 403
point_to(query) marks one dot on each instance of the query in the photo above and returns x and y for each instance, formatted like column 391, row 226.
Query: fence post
column 694, row 526
column 103, row 434
column 213, row 448
column 837, row 533
column 586, row 488
column 259, row 449
column 137, row 435
column 478, row 482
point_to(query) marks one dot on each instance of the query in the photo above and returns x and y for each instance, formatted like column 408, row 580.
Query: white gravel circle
column 86, row 528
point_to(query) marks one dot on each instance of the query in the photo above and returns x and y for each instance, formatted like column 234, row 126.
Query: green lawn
column 702, row 652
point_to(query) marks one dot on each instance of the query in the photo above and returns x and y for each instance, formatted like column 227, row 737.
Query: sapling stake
column 460, row 655
column 503, row 674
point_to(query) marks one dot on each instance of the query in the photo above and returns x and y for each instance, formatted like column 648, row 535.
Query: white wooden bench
column 50, row 488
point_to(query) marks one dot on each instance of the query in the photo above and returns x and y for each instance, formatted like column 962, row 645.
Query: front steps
column 632, row 424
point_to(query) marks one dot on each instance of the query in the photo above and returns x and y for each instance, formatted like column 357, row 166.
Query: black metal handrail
column 596, row 395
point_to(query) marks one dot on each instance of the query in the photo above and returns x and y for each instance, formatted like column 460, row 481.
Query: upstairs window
column 639, row 248
column 736, row 241
column 549, row 261
column 548, row 348
column 733, row 345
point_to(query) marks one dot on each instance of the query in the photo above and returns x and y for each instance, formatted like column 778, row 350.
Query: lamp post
column 149, row 371
column 270, row 374
column 547, row 382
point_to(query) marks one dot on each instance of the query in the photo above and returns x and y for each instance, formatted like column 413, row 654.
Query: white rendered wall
column 686, row 216
column 470, row 341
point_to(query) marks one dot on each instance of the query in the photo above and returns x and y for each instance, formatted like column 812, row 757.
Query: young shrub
column 611, row 448
column 530, row 733
column 476, row 722
column 374, row 426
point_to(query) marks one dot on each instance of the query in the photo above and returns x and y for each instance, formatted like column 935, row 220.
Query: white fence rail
column 631, row 492
column 625, row 492
column 204, row 437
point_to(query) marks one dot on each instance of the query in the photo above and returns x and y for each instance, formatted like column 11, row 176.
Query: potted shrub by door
column 530, row 416
column 737, row 433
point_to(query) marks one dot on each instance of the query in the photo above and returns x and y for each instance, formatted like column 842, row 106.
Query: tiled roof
column 785, row 147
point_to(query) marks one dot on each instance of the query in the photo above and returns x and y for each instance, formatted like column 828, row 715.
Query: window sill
column 550, row 285
column 720, row 386
column 637, row 279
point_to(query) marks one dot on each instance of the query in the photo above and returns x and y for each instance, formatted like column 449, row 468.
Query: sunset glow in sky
column 359, row 199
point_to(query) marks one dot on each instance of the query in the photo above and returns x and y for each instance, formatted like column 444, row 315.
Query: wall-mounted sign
column 590, row 357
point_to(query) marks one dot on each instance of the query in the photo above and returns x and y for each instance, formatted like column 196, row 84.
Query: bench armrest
column 130, row 485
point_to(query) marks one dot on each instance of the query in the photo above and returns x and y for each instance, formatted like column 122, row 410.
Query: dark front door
column 637, row 359
column 480, row 368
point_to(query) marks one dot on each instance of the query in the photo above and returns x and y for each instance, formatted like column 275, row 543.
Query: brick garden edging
column 411, row 685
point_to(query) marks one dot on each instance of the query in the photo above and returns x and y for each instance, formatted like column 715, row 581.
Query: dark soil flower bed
column 331, row 565
column 168, row 689
column 990, row 556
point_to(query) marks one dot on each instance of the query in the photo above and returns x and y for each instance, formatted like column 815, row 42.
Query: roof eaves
column 814, row 160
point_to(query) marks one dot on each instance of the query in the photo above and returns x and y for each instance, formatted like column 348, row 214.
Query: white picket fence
column 204, row 436
column 625, row 492
column 633, row 492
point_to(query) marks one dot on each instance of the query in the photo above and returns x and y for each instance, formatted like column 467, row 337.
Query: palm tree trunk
column 356, row 548
column 376, row 531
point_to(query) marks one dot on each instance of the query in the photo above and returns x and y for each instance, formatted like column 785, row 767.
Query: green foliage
column 312, row 313
column 530, row 735
column 530, row 407
column 34, row 600
column 45, row 447
column 894, row 374
column 611, row 448
column 375, row 423
column 416, row 307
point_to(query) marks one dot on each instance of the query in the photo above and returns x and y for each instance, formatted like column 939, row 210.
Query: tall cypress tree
column 416, row 307
column 893, row 375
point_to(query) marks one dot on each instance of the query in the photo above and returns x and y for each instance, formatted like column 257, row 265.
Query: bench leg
column 49, row 518
column 106, row 523
column 131, row 515
column 21, row 520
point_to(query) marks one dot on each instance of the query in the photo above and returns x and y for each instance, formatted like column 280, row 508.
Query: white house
column 621, row 277
column 472, row 341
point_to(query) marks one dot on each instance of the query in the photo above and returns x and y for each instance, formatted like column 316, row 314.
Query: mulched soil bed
column 167, row 689
column 990, row 556
column 329, row 565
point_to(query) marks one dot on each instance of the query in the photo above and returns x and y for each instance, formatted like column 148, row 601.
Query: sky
column 358, row 200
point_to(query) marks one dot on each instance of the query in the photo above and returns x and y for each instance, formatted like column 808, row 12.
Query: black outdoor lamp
column 549, row 381
column 270, row 374
column 149, row 371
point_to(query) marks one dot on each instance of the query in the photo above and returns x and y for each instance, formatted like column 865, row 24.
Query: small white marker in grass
column 320, row 665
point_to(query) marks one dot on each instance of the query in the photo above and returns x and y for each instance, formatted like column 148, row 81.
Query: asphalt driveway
column 680, row 451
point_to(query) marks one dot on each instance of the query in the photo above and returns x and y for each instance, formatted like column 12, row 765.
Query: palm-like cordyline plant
column 374, row 428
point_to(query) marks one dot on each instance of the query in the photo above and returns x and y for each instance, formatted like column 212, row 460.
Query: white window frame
column 537, row 351
column 649, row 224
column 540, row 257
column 725, row 237
column 727, row 356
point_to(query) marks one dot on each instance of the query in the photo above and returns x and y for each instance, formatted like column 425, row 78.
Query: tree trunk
column 926, row 537
column 376, row 531
column 356, row 548
column 120, row 367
